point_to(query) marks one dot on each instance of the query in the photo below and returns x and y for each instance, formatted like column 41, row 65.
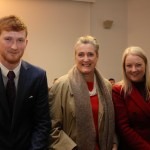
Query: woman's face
column 86, row 58
column 134, row 68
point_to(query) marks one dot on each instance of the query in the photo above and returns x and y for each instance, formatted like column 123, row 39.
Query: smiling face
column 12, row 46
column 86, row 58
column 134, row 68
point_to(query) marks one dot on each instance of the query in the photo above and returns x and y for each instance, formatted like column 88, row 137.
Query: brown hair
column 12, row 23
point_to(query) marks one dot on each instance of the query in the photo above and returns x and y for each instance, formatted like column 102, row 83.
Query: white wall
column 138, row 24
column 55, row 25
column 112, row 41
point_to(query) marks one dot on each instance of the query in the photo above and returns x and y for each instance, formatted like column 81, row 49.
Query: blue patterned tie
column 11, row 91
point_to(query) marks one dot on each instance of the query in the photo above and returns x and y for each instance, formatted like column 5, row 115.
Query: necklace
column 93, row 92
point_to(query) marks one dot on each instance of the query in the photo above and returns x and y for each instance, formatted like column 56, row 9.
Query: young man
column 24, row 113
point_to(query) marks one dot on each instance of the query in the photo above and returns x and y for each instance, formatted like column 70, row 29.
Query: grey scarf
column 86, row 135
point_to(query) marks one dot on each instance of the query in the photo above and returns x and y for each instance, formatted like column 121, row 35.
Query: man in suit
column 25, row 122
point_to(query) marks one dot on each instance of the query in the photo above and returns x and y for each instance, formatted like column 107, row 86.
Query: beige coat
column 62, row 106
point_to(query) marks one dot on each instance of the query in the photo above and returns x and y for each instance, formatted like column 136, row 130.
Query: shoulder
column 32, row 68
column 117, row 85
column 101, row 77
column 117, row 88
column 61, row 83
column 60, row 89
column 107, row 83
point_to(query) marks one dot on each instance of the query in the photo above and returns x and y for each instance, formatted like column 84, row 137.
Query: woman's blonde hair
column 137, row 51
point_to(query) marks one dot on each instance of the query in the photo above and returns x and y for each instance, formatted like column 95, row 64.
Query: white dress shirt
column 5, row 71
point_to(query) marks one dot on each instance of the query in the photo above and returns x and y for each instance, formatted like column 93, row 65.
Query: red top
column 94, row 103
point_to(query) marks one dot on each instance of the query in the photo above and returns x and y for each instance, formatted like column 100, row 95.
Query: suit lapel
column 3, row 99
column 21, row 89
column 140, row 102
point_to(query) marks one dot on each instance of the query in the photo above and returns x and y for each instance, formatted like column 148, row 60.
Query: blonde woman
column 132, row 101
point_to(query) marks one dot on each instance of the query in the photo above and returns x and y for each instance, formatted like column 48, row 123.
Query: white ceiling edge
column 85, row 0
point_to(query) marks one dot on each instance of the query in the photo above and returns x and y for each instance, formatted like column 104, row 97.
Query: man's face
column 12, row 46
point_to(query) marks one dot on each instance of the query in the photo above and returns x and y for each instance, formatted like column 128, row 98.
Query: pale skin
column 12, row 46
column 135, row 68
column 86, row 59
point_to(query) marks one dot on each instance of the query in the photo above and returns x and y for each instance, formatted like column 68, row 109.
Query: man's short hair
column 12, row 23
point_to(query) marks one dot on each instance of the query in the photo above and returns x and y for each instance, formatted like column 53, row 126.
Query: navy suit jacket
column 132, row 119
column 30, row 125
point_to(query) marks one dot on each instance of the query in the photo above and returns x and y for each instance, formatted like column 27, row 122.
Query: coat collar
column 139, row 100
column 3, row 100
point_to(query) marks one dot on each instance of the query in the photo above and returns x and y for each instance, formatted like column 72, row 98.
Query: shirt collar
column 5, row 70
